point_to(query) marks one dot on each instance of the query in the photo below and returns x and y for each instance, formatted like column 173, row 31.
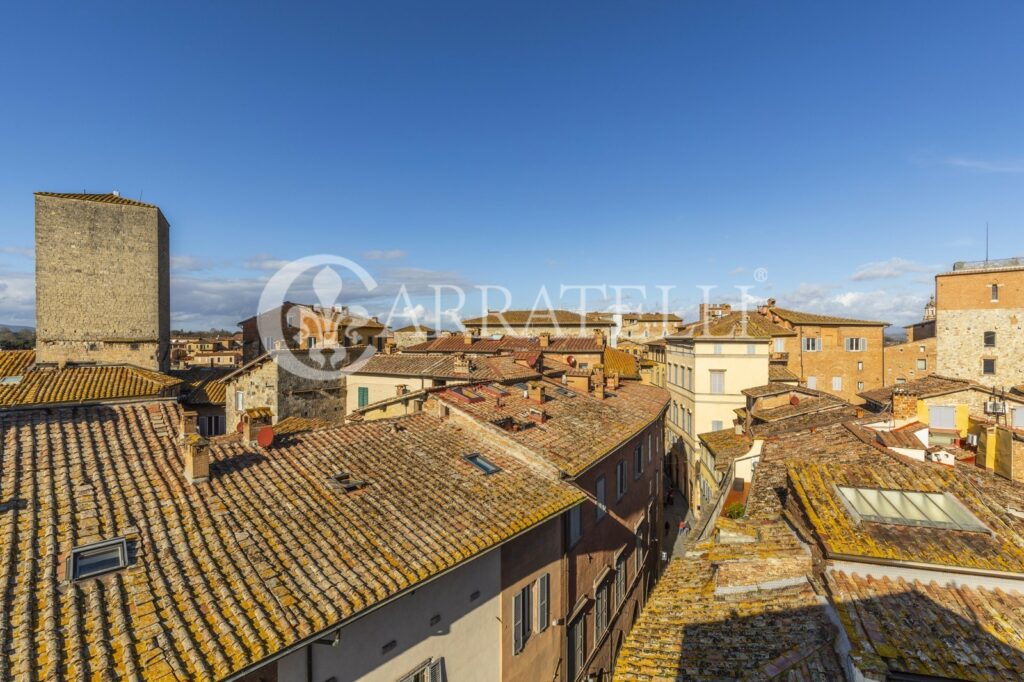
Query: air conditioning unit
column 995, row 407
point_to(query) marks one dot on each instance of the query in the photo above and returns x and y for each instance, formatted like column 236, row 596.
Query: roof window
column 98, row 558
column 483, row 464
column 910, row 508
column 347, row 483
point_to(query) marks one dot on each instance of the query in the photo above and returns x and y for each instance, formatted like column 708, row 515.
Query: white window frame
column 600, row 497
column 856, row 344
column 712, row 375
column 810, row 344
column 837, row 383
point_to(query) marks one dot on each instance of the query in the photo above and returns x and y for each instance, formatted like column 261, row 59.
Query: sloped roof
column 14, row 363
column 733, row 611
column 778, row 373
column 972, row 633
column 86, row 383
column 925, row 387
column 740, row 324
column 414, row 328
column 203, row 385
column 442, row 366
column 223, row 573
column 539, row 318
column 726, row 445
column 651, row 317
column 621, row 362
column 108, row 198
column 798, row 317
column 580, row 429
column 456, row 343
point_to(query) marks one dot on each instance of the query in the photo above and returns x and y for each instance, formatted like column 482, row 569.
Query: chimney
column 599, row 337
column 537, row 415
column 545, row 339
column 599, row 390
column 613, row 381
column 463, row 365
column 401, row 389
column 535, row 391
column 904, row 404
column 252, row 421
column 197, row 459
column 467, row 337
column 739, row 429
column 188, row 425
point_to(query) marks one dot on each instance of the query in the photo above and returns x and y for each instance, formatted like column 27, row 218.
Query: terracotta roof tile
column 925, row 387
column 726, row 445
column 538, row 318
column 203, row 385
column 14, row 363
column 778, row 372
column 579, row 429
column 443, row 366
column 621, row 362
column 47, row 385
column 932, row 630
column 108, row 198
column 506, row 344
column 740, row 324
column 798, row 317
column 224, row 574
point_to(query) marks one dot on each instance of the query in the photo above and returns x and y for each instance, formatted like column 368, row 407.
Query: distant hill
column 15, row 336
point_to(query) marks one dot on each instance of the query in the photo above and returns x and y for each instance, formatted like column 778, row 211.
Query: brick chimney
column 467, row 337
column 401, row 389
column 197, row 459
column 463, row 365
column 545, row 339
column 599, row 337
column 904, row 404
column 188, row 425
column 252, row 421
column 599, row 390
column 535, row 391
column 613, row 381
column 536, row 415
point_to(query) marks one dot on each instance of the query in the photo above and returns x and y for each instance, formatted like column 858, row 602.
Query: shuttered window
column 521, row 618
column 942, row 417
column 717, row 381
column 543, row 602
column 577, row 646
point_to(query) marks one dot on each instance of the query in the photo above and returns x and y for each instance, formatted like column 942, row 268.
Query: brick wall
column 902, row 360
column 833, row 360
column 102, row 283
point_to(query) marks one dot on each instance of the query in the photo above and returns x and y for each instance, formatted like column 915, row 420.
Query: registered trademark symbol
column 761, row 275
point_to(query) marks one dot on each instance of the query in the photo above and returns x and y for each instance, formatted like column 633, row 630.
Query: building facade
column 102, row 281
column 979, row 309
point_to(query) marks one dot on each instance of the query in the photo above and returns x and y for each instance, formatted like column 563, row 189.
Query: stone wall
column 102, row 283
column 258, row 385
column 267, row 384
column 961, row 347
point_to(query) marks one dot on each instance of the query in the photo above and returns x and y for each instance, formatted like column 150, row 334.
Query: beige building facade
column 980, row 322
column 102, row 281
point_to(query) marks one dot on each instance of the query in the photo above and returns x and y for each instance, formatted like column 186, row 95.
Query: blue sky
column 850, row 152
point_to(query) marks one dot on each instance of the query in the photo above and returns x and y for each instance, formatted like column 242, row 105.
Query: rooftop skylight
column 98, row 558
column 910, row 508
column 483, row 464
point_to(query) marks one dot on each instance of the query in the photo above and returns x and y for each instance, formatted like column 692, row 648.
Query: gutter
column 307, row 641
column 921, row 566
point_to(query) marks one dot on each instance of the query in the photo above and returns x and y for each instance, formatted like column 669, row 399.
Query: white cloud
column 897, row 305
column 384, row 255
column 986, row 165
column 17, row 251
column 265, row 262
column 17, row 298
column 189, row 263
column 889, row 269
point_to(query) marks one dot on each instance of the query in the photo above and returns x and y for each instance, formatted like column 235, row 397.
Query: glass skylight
column 910, row 508
column 484, row 465
column 98, row 558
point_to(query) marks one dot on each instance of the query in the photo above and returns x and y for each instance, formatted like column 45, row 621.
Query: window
column 239, row 400
column 837, row 383
column 751, row 349
column 942, row 416
column 1018, row 417
column 910, row 508
column 620, row 480
column 920, row 349
column 577, row 647
column 483, row 464
column 717, row 381
column 638, row 459
column 988, row 366
column 575, row 525
column 810, row 344
column 620, row 580
column 856, row 344
column 364, row 396
column 543, row 602
column 432, row 671
column 600, row 611
column 995, row 293
column 310, row 342
column 716, row 425
column 922, row 363
column 990, row 339
column 860, row 365
column 860, row 386
column 521, row 618
column 602, row 507
column 717, row 349
column 97, row 558
column 638, row 551
column 812, row 382
column 780, row 345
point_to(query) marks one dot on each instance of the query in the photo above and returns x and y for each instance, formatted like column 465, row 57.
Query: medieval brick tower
column 102, row 281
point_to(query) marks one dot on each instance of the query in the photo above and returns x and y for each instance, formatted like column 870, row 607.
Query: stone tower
column 102, row 281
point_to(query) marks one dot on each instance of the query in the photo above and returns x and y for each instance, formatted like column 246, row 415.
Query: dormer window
column 97, row 559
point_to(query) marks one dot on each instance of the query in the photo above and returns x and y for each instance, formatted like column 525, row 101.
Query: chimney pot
column 197, row 459
column 189, row 423
column 535, row 391
column 599, row 391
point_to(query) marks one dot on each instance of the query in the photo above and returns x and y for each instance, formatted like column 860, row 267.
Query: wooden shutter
column 437, row 671
column 543, row 611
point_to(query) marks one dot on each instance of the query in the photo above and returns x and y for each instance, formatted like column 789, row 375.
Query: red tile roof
column 108, row 198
